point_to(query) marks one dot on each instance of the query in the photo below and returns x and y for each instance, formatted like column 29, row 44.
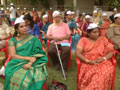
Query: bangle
column 86, row 60
column 104, row 58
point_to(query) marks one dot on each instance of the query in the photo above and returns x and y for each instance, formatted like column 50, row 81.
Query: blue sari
column 72, row 25
column 44, row 28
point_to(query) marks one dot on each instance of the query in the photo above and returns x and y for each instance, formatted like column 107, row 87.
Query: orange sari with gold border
column 98, row 76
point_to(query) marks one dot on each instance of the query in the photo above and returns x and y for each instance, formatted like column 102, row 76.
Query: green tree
column 113, row 3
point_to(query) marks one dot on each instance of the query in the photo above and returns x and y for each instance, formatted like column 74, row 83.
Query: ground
column 72, row 75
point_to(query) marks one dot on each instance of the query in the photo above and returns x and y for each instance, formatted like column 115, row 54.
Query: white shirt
column 12, row 12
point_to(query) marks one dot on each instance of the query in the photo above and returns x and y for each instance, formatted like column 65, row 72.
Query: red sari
column 98, row 76
column 106, row 25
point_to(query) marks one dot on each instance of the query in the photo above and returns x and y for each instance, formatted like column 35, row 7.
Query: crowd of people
column 94, row 39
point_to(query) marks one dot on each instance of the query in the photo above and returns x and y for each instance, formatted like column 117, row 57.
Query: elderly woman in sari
column 95, row 54
column 27, row 68
column 104, row 24
column 113, row 33
column 43, row 25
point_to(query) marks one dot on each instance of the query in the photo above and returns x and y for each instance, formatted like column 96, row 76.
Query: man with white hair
column 59, row 32
column 12, row 13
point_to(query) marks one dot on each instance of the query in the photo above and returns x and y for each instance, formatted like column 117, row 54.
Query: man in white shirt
column 12, row 14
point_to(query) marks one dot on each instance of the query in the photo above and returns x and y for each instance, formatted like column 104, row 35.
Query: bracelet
column 86, row 60
column 104, row 58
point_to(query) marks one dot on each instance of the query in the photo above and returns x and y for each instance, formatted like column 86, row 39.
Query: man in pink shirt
column 59, row 32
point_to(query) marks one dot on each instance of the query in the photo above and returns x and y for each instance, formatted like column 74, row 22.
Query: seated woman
column 33, row 29
column 44, row 27
column 4, row 33
column 113, row 33
column 27, row 68
column 95, row 54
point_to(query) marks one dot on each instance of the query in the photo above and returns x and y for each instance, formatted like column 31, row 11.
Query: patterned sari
column 17, row 78
column 106, row 25
column 98, row 76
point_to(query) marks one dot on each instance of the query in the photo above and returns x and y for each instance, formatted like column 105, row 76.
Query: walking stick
column 63, row 71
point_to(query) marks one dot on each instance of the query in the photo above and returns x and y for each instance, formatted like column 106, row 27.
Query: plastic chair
column 45, row 85
column 5, row 49
column 69, row 61
column 113, row 60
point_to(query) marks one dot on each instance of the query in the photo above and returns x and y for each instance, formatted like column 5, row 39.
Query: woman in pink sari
column 95, row 54
column 104, row 24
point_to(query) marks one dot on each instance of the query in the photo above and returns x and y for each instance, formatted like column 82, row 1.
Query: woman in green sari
column 27, row 68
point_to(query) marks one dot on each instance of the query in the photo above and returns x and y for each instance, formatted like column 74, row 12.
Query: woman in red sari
column 96, row 67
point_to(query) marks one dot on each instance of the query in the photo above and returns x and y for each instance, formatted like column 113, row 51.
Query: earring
column 18, row 34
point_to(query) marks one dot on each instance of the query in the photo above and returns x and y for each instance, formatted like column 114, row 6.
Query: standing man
column 59, row 32
column 12, row 14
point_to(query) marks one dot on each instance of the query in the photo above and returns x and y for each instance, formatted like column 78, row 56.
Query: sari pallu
column 17, row 78
column 98, row 76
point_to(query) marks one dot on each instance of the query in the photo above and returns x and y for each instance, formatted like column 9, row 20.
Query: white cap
column 18, row 8
column 11, row 4
column 22, row 16
column 117, row 15
column 95, row 11
column 83, row 13
column 87, row 16
column 19, row 20
column 24, row 8
column 92, row 26
column 69, row 12
column 2, row 8
column 55, row 13
column 104, row 14
column 33, row 8
column 7, row 8
column 45, row 16
column 50, row 8
column 115, row 9
column 73, row 12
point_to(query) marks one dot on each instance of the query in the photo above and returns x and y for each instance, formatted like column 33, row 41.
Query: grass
column 72, row 75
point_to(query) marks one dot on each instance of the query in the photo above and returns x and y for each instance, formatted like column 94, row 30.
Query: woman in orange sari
column 104, row 24
column 96, row 67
